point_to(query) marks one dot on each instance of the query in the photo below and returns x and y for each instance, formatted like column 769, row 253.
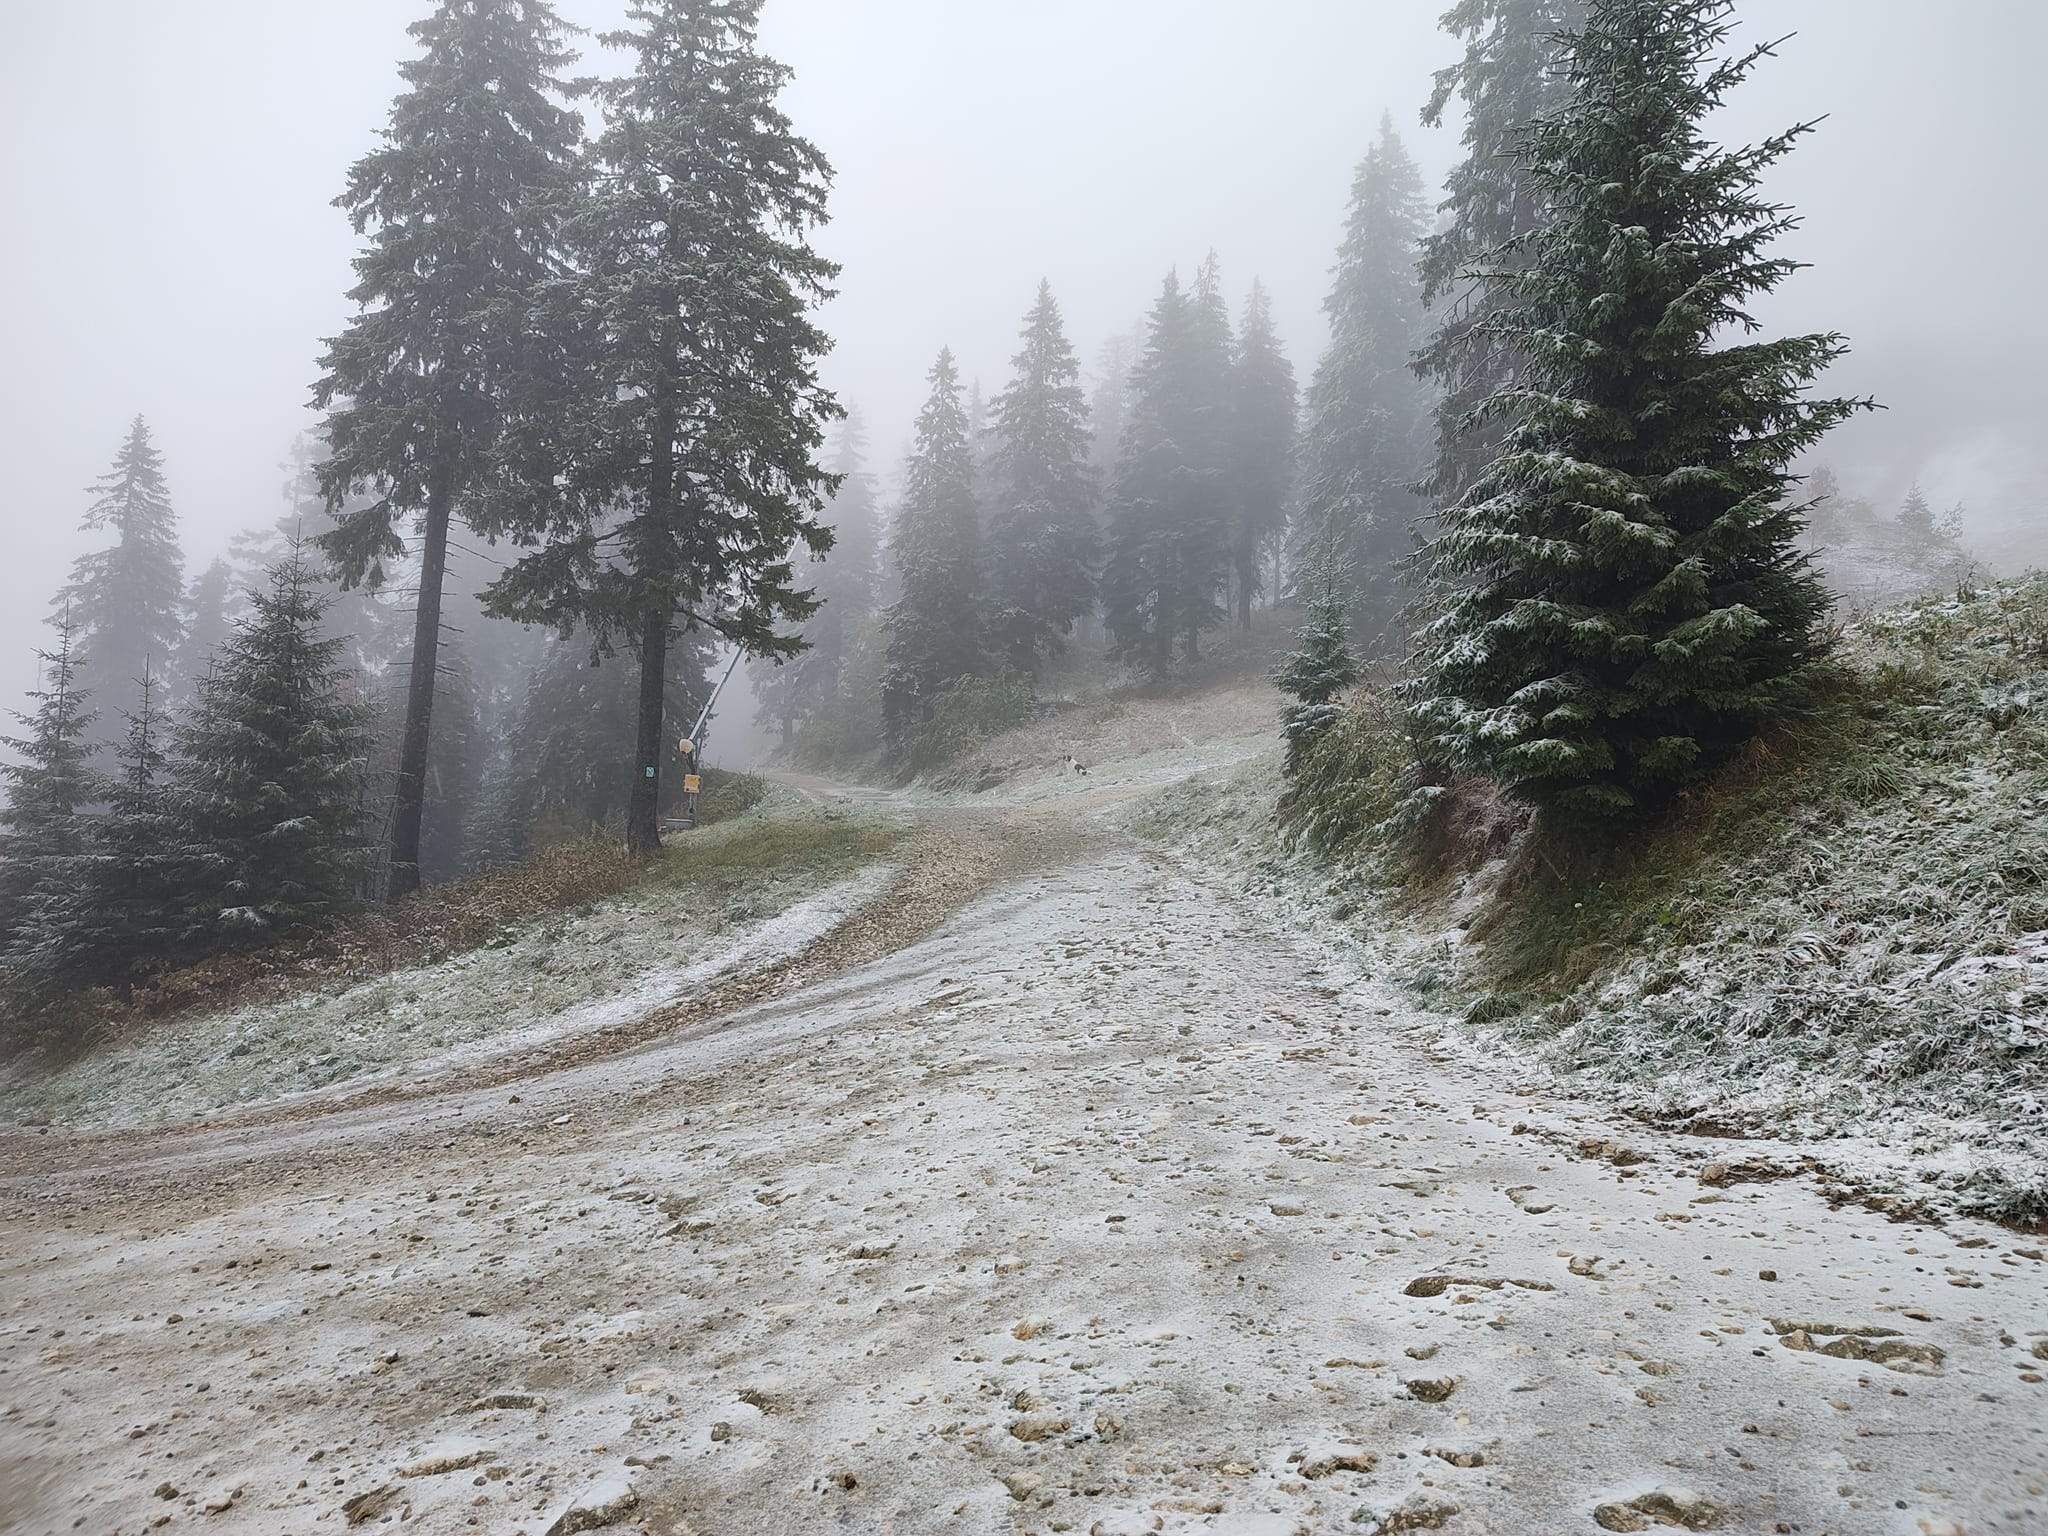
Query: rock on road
column 1091, row 1210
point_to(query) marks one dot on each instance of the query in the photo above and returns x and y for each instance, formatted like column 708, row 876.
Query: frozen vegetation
column 741, row 894
column 1843, row 941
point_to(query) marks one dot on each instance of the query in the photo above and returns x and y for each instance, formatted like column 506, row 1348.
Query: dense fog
column 173, row 251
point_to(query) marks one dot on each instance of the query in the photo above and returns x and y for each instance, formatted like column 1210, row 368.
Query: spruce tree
column 1505, row 79
column 125, row 599
column 1628, row 600
column 692, row 420
column 1042, row 540
column 1168, row 516
column 934, row 628
column 268, row 773
column 1262, row 432
column 461, row 203
column 1365, row 442
column 49, row 779
column 128, row 911
column 1321, row 668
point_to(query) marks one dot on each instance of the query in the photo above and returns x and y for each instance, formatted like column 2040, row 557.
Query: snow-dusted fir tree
column 692, row 413
column 1262, row 433
column 1321, row 668
column 461, row 202
column 125, row 599
column 1042, row 538
column 934, row 631
column 1505, row 79
column 209, row 612
column 1168, row 518
column 1365, row 443
column 128, row 909
column 1628, row 600
column 49, row 777
column 268, row 773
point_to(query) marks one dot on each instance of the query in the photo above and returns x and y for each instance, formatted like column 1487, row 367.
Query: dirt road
column 1092, row 1209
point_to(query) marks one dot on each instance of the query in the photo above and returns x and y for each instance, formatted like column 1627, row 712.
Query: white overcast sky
column 170, row 247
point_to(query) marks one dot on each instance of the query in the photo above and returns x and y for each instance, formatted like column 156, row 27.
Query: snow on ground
column 1135, row 1197
column 569, row 972
column 1857, row 971
column 1106, row 1207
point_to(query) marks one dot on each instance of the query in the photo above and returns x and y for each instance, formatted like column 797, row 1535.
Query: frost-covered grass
column 1844, row 936
column 747, row 890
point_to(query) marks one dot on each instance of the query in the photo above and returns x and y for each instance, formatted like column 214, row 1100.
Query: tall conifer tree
column 462, row 203
column 1628, row 598
column 49, row 777
column 1042, row 544
column 127, row 909
column 934, row 629
column 1506, row 78
column 125, row 599
column 269, row 773
column 1262, row 433
column 1365, row 444
column 692, row 424
column 1169, row 512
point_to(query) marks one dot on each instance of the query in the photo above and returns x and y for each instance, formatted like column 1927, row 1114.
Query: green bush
column 968, row 712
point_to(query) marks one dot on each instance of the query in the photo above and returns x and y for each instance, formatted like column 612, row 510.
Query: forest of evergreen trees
column 574, row 443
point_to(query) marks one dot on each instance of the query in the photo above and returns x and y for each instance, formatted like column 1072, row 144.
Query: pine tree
column 209, row 613
column 1629, row 600
column 1321, row 668
column 461, row 202
column 934, row 628
column 127, row 912
column 1262, row 431
column 125, row 599
column 1169, row 537
column 268, row 773
column 1042, row 542
column 49, row 779
column 1365, row 443
column 1505, row 79
column 693, row 423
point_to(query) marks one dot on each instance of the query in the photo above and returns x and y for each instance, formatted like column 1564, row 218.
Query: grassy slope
column 457, row 964
column 1845, row 936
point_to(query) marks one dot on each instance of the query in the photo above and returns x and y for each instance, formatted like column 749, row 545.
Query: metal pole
column 697, row 730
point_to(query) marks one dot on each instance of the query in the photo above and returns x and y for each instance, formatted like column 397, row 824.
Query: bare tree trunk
column 643, row 805
column 643, row 818
column 403, row 876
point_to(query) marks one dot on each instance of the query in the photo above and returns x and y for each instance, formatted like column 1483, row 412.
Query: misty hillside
column 919, row 769
column 1840, row 946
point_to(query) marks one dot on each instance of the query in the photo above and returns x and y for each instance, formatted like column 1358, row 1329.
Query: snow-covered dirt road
column 1092, row 1209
